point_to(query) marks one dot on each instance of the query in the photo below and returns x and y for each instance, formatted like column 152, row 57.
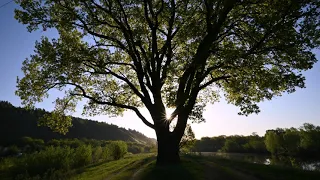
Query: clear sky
column 221, row 118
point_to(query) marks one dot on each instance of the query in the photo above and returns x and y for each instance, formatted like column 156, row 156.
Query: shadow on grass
column 96, row 165
column 185, row 170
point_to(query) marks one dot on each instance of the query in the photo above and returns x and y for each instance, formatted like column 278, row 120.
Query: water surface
column 311, row 165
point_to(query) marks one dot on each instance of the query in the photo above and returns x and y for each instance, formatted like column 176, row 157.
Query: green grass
column 143, row 167
column 120, row 169
column 264, row 172
column 199, row 167
column 185, row 170
column 191, row 168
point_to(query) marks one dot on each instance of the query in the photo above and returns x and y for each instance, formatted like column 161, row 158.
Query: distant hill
column 17, row 122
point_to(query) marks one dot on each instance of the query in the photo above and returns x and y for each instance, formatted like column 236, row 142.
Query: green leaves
column 126, row 54
column 57, row 122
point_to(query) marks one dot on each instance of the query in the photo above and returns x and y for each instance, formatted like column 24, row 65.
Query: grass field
column 142, row 167
column 120, row 169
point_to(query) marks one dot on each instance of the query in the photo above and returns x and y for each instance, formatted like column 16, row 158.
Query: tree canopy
column 127, row 54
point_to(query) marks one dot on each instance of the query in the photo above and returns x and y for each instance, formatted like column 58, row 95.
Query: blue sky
column 221, row 118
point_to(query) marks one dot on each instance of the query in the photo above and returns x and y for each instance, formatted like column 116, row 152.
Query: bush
column 12, row 151
column 83, row 155
column 75, row 143
column 6, row 163
column 55, row 161
column 51, row 159
column 135, row 149
column 97, row 154
column 105, row 153
column 118, row 149
column 54, row 142
column 42, row 161
column 27, row 140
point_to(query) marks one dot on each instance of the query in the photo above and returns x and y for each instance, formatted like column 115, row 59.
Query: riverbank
column 267, row 159
column 142, row 167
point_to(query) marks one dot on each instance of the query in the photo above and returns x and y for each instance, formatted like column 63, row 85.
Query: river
column 311, row 165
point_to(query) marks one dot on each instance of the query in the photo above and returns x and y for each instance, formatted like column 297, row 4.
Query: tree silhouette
column 126, row 54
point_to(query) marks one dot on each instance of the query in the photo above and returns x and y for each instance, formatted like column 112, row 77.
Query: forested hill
column 18, row 122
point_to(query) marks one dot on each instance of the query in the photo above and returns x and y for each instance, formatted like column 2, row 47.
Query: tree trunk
column 168, row 142
column 168, row 148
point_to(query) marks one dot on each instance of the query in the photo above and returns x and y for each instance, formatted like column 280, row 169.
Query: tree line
column 28, row 145
column 231, row 144
column 302, row 142
column 295, row 142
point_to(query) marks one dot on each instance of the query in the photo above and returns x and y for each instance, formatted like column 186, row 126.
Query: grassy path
column 129, row 171
column 192, row 168
column 217, row 171
column 142, row 167
column 120, row 169
column 137, row 173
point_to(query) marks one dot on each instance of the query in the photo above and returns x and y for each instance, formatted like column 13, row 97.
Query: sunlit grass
column 120, row 169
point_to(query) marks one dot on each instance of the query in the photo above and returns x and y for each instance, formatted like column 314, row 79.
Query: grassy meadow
column 143, row 167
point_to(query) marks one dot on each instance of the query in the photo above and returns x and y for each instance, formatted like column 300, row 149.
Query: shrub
column 75, row 143
column 42, row 161
column 135, row 149
column 54, row 142
column 118, row 149
column 83, row 155
column 97, row 154
column 105, row 153
column 27, row 140
column 12, row 151
column 6, row 163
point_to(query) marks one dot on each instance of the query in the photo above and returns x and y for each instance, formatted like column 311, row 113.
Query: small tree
column 83, row 155
column 118, row 149
column 274, row 141
column 106, row 153
column 231, row 145
column 158, row 54
column 97, row 154
column 188, row 139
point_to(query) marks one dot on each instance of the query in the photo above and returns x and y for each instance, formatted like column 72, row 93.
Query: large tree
column 158, row 54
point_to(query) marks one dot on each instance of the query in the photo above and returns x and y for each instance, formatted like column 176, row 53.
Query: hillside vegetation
column 17, row 122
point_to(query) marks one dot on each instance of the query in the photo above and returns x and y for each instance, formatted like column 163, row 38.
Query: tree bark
column 168, row 149
column 168, row 142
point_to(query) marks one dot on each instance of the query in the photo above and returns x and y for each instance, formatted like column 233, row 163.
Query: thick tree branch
column 212, row 68
column 167, row 47
column 203, row 52
column 122, row 78
column 132, row 51
column 153, row 27
column 208, row 5
column 212, row 81
column 85, row 95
